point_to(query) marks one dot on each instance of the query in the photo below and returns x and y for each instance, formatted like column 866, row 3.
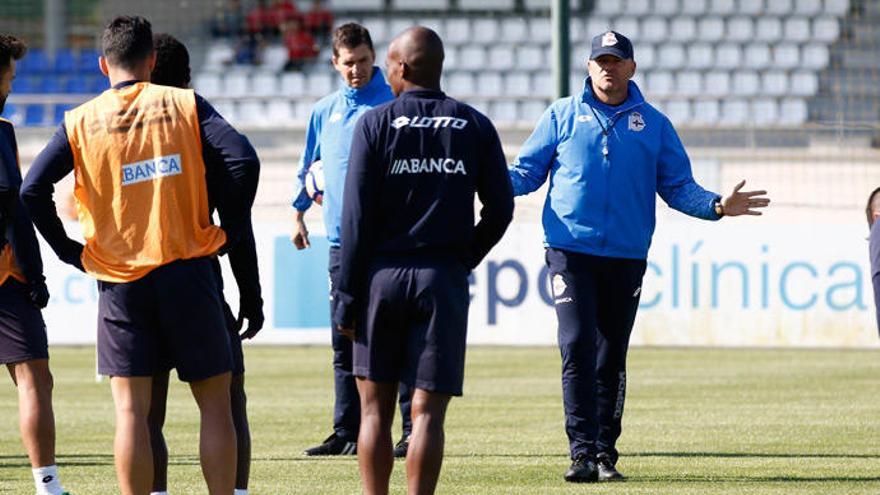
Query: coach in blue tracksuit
column 606, row 153
column 328, row 138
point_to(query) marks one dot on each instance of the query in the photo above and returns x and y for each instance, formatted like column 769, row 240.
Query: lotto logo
column 428, row 122
column 162, row 166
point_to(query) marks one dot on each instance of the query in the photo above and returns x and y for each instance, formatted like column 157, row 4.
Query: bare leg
column 425, row 455
column 242, row 431
column 217, row 439
column 134, row 458
column 375, row 450
column 156, row 420
column 35, row 417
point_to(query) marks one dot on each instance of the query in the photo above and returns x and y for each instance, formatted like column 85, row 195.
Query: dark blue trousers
column 596, row 300
column 347, row 406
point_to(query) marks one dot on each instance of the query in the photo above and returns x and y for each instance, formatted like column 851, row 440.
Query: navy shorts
column 22, row 330
column 415, row 326
column 172, row 316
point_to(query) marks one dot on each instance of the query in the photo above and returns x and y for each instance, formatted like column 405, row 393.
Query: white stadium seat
column 303, row 109
column 838, row 8
column 757, row 56
column 740, row 29
column 660, row 84
column 627, row 26
column 461, row 85
column 530, row 111
column 745, row 83
column 501, row 57
column 671, row 56
column 579, row 55
column 645, row 56
column 779, row 7
column 722, row 7
column 265, row 84
column 597, row 25
column 517, row 84
column 666, row 8
column 826, row 29
column 683, row 29
column 793, row 112
column 398, row 25
column 540, row 30
column 734, row 112
column 610, row 8
column 797, row 29
column 489, row 84
column 458, row 30
column 706, row 112
column 816, row 56
column 576, row 31
column 420, row 4
column 678, row 111
column 764, row 111
column 637, row 7
column 208, row 84
column 768, row 29
column 728, row 56
column 504, row 5
column 689, row 83
column 252, row 113
column 274, row 58
column 774, row 83
column 804, row 83
column 711, row 29
column 435, row 24
column 654, row 29
column 700, row 56
column 694, row 7
column 359, row 4
column 320, row 83
column 486, row 31
column 226, row 109
column 808, row 7
column 717, row 83
column 450, row 58
column 751, row 7
column 514, row 30
column 218, row 55
column 236, row 83
column 378, row 28
column 576, row 82
column 280, row 111
column 786, row 56
column 503, row 111
column 293, row 84
column 530, row 57
column 472, row 57
column 543, row 85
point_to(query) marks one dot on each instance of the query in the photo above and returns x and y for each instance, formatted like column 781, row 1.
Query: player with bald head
column 408, row 244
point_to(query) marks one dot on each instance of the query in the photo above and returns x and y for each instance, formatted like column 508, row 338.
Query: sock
column 239, row 491
column 46, row 480
column 158, row 493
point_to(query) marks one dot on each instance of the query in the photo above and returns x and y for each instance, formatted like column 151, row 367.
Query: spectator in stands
column 229, row 22
column 249, row 49
column 285, row 11
column 301, row 47
column 607, row 153
column 872, row 210
column 262, row 20
column 319, row 20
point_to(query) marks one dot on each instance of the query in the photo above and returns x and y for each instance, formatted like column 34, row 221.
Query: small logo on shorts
column 559, row 288
column 637, row 292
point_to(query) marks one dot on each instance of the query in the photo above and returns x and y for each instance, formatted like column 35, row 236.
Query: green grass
column 697, row 421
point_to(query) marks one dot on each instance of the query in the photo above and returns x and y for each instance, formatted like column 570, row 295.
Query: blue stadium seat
column 99, row 84
column 34, row 115
column 88, row 61
column 25, row 85
column 51, row 84
column 65, row 61
column 13, row 113
column 59, row 112
column 35, row 62
column 78, row 84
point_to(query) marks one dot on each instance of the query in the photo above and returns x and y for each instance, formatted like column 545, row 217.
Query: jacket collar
column 368, row 93
column 634, row 97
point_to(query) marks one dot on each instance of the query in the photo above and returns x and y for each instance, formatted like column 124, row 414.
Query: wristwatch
column 719, row 208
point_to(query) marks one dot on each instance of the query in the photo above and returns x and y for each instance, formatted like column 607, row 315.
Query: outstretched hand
column 744, row 202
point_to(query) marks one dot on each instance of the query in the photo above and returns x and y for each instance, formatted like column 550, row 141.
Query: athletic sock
column 158, row 493
column 239, row 491
column 46, row 480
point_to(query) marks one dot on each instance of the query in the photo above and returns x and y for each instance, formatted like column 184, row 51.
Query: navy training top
column 414, row 167
column 874, row 252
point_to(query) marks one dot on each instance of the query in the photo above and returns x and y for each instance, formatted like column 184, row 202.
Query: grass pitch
column 697, row 421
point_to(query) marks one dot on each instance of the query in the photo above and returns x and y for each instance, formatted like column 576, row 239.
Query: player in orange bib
column 23, row 293
column 140, row 153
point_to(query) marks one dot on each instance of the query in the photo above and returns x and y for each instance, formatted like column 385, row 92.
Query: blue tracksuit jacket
column 328, row 138
column 605, row 166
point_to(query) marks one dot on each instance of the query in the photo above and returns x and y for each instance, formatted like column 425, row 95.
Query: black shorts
column 22, row 329
column 415, row 326
column 172, row 317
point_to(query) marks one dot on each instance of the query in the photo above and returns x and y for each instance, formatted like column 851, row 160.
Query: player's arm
column 50, row 166
column 243, row 261
column 532, row 165
column 236, row 166
column 301, row 200
column 8, row 196
column 496, row 195
column 675, row 180
column 21, row 236
column 362, row 183
column 874, row 251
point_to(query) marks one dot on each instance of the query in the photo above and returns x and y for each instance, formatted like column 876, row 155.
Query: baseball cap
column 611, row 43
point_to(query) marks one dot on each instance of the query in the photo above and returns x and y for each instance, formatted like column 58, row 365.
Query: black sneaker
column 582, row 470
column 401, row 447
column 607, row 471
column 333, row 445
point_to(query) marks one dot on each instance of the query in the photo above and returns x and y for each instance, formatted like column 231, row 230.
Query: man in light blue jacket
column 607, row 153
column 328, row 138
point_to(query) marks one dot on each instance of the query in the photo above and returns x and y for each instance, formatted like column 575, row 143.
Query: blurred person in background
column 607, row 153
column 301, row 46
column 285, row 11
column 229, row 22
column 328, row 138
column 319, row 20
column 262, row 19
column 23, row 293
column 172, row 69
column 872, row 211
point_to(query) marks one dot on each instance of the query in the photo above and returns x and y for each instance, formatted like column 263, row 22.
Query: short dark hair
column 869, row 208
column 11, row 48
column 172, row 62
column 127, row 41
column 351, row 35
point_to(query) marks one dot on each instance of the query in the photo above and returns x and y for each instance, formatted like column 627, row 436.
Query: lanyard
column 605, row 130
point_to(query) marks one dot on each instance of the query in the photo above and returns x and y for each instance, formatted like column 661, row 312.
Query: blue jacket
column 328, row 138
column 605, row 165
